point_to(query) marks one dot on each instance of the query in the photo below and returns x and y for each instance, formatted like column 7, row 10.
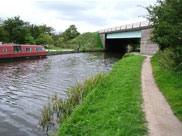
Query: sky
column 87, row 15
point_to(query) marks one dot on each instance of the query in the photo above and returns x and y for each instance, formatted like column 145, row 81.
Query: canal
column 26, row 85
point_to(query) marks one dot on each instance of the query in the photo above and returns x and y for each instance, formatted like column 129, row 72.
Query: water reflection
column 25, row 86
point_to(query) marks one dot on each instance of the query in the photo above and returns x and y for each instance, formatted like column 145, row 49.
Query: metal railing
column 125, row 27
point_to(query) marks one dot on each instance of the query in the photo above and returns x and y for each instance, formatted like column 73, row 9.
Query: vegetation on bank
column 85, row 41
column 168, row 81
column 167, row 63
column 18, row 31
column 58, row 110
column 166, row 17
column 113, row 107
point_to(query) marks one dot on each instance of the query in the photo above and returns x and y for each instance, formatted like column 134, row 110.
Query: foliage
column 29, row 39
column 167, row 18
column 70, row 33
column 58, row 110
column 45, row 39
column 16, row 29
column 169, row 83
column 113, row 108
column 165, row 59
column 34, row 31
column 85, row 41
column 3, row 34
column 59, row 41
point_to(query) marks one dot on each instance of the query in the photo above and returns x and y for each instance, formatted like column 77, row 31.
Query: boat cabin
column 16, row 51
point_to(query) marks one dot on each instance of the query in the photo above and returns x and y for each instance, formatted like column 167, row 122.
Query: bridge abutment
column 147, row 47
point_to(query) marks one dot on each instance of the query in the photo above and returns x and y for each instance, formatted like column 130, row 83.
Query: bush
column 167, row 22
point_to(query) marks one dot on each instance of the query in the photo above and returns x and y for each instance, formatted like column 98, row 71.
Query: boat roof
column 19, row 45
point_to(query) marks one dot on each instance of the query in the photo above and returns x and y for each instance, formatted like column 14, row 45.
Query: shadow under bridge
column 122, row 41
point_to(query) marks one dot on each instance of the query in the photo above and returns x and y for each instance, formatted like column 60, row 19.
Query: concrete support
column 103, row 39
column 147, row 47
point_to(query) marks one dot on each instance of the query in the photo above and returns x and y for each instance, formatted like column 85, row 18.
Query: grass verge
column 113, row 107
column 170, row 84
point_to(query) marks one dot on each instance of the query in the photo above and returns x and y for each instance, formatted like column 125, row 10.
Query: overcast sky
column 87, row 15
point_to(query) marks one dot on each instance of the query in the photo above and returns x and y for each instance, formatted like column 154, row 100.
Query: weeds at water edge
column 58, row 110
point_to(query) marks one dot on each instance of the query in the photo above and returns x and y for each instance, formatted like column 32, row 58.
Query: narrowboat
column 15, row 51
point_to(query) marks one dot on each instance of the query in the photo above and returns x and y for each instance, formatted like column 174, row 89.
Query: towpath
column 160, row 118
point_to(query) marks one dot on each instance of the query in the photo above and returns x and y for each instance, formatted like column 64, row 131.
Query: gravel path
column 160, row 118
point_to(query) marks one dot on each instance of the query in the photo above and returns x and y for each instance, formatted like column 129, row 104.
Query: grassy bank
column 58, row 110
column 170, row 84
column 86, row 41
column 113, row 107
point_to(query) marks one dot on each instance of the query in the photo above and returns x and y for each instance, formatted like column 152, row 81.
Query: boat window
column 28, row 49
column 4, row 49
column 17, row 48
column 39, row 49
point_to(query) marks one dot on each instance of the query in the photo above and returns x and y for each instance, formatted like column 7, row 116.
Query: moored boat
column 17, row 51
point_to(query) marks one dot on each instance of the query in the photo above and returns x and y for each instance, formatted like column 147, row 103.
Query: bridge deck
column 124, row 35
column 129, row 27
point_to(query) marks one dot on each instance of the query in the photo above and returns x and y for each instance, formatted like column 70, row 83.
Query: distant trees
column 70, row 33
column 18, row 31
column 45, row 39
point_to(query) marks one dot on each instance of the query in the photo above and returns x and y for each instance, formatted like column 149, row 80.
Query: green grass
column 113, row 107
column 170, row 84
column 87, row 41
column 57, row 48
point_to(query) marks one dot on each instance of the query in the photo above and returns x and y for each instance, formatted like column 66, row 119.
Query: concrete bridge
column 118, row 38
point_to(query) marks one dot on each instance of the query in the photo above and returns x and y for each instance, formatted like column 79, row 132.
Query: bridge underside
column 120, row 41
column 120, row 45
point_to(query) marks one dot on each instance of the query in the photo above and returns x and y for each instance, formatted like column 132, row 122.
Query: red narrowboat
column 15, row 51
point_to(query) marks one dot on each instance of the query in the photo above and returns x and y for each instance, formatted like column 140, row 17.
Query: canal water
column 26, row 85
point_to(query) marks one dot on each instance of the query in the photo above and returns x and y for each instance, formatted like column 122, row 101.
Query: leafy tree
column 45, row 39
column 29, row 39
column 3, row 35
column 46, row 29
column 167, row 18
column 70, row 33
column 59, row 42
column 16, row 29
column 34, row 31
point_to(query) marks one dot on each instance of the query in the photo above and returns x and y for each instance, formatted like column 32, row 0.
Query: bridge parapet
column 128, row 27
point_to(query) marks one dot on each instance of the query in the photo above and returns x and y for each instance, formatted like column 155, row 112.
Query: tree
column 3, row 35
column 70, row 33
column 45, row 39
column 167, row 18
column 46, row 29
column 34, row 31
column 29, row 39
column 16, row 29
column 59, row 42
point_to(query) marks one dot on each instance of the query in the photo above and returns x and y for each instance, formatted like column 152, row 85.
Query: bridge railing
column 125, row 27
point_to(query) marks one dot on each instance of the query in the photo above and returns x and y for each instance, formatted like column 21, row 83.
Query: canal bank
column 113, row 107
column 74, row 51
column 26, row 85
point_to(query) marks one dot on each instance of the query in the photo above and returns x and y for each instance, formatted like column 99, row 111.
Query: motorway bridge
column 118, row 38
